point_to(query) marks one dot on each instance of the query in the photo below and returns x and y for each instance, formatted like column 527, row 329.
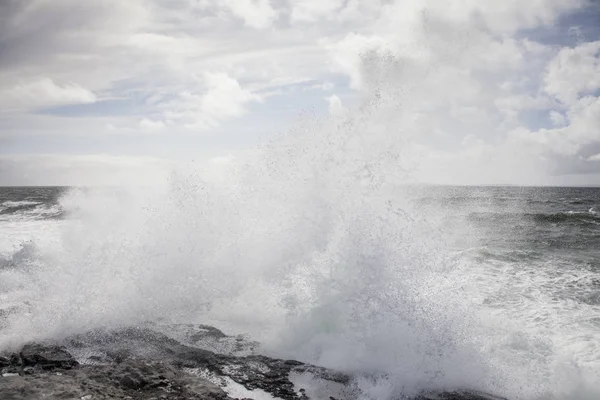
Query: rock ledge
column 145, row 364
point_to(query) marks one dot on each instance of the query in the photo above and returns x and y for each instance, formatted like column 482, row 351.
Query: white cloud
column 594, row 157
column 223, row 98
column 557, row 118
column 255, row 13
column 524, row 102
column 346, row 54
column 582, row 130
column 311, row 10
column 151, row 125
column 44, row 92
column 448, row 70
column 513, row 105
column 574, row 71
column 86, row 170
column 336, row 108
column 505, row 17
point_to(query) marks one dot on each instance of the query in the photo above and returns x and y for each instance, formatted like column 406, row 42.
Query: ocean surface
column 494, row 288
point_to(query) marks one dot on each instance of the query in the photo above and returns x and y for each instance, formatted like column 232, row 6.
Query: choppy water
column 30, row 203
column 495, row 288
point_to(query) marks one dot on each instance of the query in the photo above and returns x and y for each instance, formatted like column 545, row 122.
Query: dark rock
column 140, row 363
column 205, row 331
column 459, row 395
column 4, row 362
column 47, row 357
column 11, row 370
column 132, row 379
column 15, row 360
column 27, row 371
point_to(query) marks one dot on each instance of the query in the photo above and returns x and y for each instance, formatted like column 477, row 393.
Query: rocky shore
column 198, row 362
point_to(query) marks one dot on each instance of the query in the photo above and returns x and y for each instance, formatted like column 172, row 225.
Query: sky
column 110, row 91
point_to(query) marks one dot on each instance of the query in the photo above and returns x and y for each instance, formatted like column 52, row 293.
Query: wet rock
column 4, row 362
column 133, row 379
column 46, row 357
column 208, row 338
column 140, row 363
column 459, row 395
column 27, row 371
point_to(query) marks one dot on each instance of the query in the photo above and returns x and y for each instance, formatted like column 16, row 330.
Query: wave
column 11, row 204
column 308, row 245
column 30, row 210
column 566, row 217
column 12, row 207
column 582, row 201
column 21, row 258
column 508, row 202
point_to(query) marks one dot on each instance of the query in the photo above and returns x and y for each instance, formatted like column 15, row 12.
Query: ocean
column 492, row 288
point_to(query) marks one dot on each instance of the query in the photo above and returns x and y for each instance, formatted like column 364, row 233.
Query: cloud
column 511, row 15
column 44, row 92
column 573, row 72
column 469, row 81
column 311, row 10
column 223, row 98
column 346, row 54
column 569, row 140
column 84, row 170
column 557, row 118
column 336, row 108
column 255, row 13
column 515, row 103
column 150, row 125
